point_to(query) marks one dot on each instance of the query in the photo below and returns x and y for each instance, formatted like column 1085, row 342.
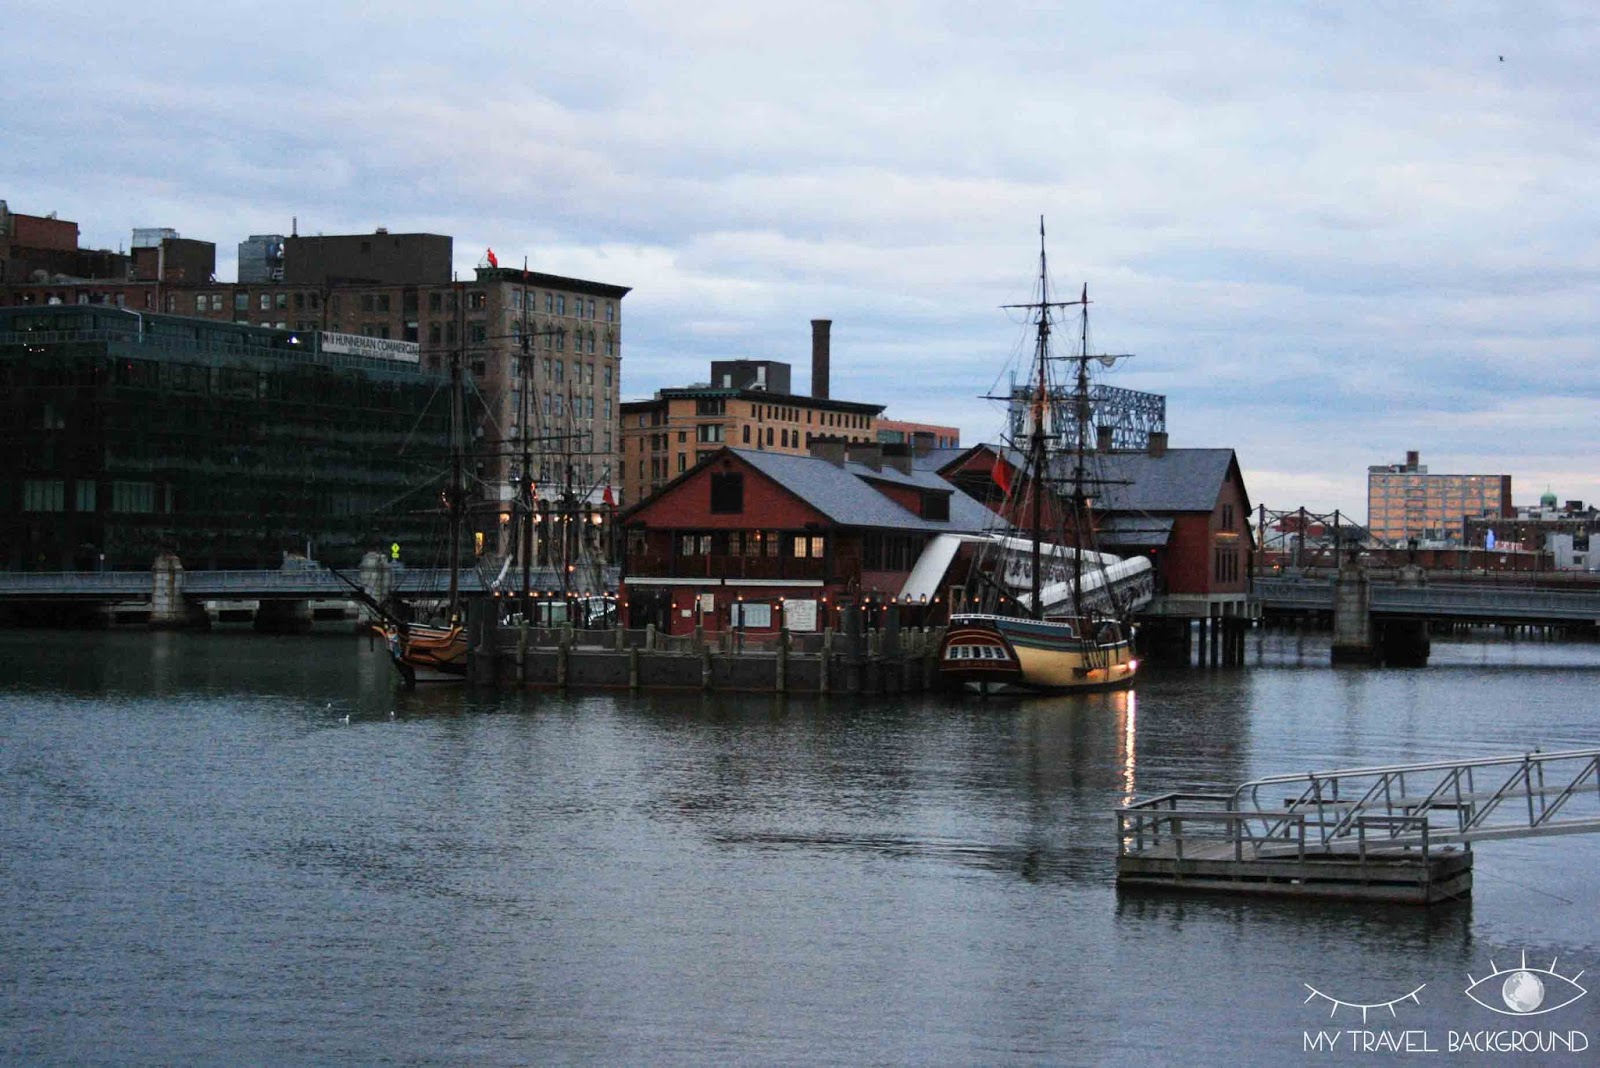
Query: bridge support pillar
column 1352, row 615
column 377, row 578
column 283, row 617
column 168, row 608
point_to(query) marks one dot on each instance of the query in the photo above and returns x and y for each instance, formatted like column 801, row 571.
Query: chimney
column 1158, row 444
column 1413, row 457
column 868, row 453
column 898, row 457
column 827, row 448
column 820, row 329
column 1102, row 438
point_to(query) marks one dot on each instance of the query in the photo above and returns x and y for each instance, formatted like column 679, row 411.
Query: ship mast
column 1080, row 406
column 1037, row 457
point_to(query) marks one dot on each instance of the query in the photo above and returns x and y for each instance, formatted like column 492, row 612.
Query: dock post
column 781, row 672
column 650, row 637
column 705, row 667
column 827, row 659
column 633, row 668
column 522, row 650
column 561, row 661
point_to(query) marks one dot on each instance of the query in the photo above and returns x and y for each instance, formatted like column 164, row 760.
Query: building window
column 241, row 301
column 747, row 433
column 84, row 492
column 708, row 432
column 805, row 546
column 727, row 492
column 133, row 496
column 281, row 301
column 561, row 304
column 683, row 462
column 611, row 313
column 479, row 333
column 44, row 495
column 770, row 435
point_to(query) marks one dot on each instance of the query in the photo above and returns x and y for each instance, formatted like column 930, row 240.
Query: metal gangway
column 1386, row 809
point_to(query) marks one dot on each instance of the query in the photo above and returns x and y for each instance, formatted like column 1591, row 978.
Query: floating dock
column 1399, row 833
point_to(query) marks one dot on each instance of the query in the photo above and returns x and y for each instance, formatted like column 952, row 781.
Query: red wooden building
column 1187, row 509
column 763, row 540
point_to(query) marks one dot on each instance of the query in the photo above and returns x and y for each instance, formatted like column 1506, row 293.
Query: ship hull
column 424, row 654
column 1001, row 654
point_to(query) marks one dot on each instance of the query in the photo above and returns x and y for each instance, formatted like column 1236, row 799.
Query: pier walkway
column 1402, row 832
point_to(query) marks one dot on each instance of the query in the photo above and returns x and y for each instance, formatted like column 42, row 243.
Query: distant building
column 261, row 259
column 130, row 434
column 746, row 404
column 43, row 247
column 925, row 435
column 378, row 258
column 1404, row 501
column 161, row 255
column 1569, row 533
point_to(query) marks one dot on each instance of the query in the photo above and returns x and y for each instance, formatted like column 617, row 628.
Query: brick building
column 1404, row 501
column 745, row 404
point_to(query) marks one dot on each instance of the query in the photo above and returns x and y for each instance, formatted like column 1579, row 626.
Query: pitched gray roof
column 841, row 494
column 1180, row 480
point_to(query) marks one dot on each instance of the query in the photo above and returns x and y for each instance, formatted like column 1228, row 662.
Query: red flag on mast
column 1001, row 473
column 607, row 498
column 494, row 261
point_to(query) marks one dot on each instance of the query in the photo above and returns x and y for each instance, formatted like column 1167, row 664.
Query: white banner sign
column 381, row 347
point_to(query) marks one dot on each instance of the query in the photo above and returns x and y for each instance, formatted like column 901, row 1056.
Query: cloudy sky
column 1330, row 232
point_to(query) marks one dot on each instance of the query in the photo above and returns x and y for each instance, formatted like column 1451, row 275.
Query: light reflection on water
column 234, row 847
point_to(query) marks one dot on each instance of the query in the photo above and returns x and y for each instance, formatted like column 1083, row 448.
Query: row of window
column 753, row 543
column 50, row 495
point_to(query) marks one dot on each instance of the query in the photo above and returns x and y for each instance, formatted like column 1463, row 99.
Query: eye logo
column 1523, row 990
column 1338, row 1004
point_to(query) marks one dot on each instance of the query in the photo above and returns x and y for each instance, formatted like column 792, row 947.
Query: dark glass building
column 130, row 434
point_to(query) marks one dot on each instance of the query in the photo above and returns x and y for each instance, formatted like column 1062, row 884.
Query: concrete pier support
column 1352, row 615
column 168, row 608
column 377, row 579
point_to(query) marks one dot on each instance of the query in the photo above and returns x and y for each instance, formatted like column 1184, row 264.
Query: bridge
column 168, row 595
column 1452, row 602
column 288, row 584
column 1401, row 832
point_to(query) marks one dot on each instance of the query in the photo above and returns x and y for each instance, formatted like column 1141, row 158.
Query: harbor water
column 232, row 848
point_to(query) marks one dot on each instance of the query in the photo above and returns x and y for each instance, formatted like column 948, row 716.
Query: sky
column 1330, row 233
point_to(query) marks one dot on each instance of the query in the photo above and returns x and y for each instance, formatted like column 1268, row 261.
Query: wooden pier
column 898, row 660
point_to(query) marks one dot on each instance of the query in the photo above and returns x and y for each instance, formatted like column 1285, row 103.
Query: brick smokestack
column 820, row 329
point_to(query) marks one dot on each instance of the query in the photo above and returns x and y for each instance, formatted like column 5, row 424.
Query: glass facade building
column 132, row 434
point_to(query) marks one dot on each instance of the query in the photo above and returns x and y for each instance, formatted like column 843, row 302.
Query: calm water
column 231, row 848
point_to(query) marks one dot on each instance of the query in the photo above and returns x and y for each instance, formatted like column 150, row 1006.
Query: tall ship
column 1041, row 608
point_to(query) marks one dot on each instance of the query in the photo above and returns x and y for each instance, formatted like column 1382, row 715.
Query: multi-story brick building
column 902, row 432
column 746, row 404
column 667, row 435
column 1404, row 501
